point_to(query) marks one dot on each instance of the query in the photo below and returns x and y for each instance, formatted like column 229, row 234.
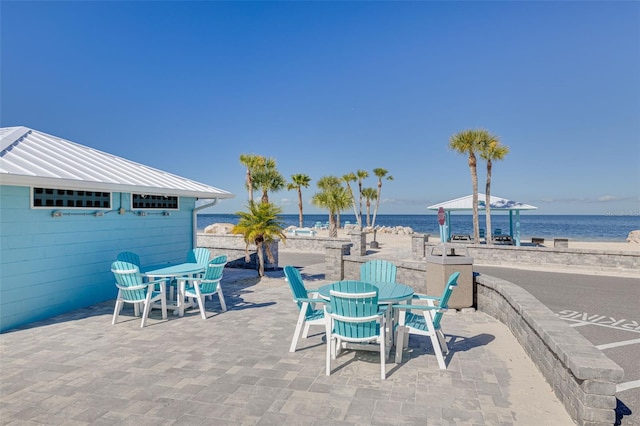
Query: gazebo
column 497, row 204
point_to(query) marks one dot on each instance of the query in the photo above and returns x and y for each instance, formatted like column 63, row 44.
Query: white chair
column 426, row 322
column 355, row 321
column 132, row 289
column 307, row 315
column 209, row 284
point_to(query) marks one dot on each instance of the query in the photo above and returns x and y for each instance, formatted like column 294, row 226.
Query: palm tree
column 361, row 175
column 268, row 178
column 348, row 178
column 468, row 142
column 260, row 226
column 299, row 181
column 491, row 149
column 380, row 173
column 369, row 194
column 333, row 197
column 251, row 162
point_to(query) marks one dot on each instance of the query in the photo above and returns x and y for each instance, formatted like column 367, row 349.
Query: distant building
column 67, row 210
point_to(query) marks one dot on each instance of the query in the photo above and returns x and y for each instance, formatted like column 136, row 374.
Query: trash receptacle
column 442, row 261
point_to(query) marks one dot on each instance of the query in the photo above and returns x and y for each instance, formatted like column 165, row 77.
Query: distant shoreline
column 589, row 228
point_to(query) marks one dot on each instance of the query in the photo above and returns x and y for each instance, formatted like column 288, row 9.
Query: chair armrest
column 417, row 307
column 310, row 300
column 425, row 297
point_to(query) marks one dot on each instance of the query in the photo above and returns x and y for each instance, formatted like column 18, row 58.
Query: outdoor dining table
column 388, row 294
column 179, row 272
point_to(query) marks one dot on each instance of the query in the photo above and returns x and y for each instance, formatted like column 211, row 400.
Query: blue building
column 67, row 210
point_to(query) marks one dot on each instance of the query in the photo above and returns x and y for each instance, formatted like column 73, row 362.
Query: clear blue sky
column 327, row 88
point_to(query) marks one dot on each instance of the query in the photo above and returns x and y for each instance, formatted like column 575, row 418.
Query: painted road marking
column 579, row 324
column 584, row 318
column 616, row 344
column 628, row 385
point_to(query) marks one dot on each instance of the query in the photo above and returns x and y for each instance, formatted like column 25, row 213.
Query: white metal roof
column 32, row 158
column 466, row 203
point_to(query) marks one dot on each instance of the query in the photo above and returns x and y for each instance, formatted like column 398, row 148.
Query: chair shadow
column 455, row 343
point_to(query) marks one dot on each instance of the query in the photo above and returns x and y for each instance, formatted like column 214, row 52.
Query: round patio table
column 178, row 271
column 388, row 293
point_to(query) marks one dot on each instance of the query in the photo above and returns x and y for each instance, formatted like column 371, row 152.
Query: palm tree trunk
column 375, row 211
column 333, row 230
column 488, row 202
column 260, row 259
column 474, row 182
column 300, row 205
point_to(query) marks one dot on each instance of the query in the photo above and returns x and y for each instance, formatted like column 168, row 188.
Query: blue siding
column 51, row 265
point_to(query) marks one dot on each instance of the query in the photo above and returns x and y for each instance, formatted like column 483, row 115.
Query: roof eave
column 23, row 180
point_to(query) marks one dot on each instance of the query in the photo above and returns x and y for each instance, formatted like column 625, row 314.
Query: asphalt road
column 604, row 309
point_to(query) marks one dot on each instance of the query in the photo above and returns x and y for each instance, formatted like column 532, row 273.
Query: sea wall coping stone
column 582, row 377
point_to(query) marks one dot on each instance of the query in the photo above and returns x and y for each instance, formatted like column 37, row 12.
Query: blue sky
column 327, row 88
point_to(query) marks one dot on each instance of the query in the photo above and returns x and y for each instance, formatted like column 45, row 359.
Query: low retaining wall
column 582, row 377
column 599, row 260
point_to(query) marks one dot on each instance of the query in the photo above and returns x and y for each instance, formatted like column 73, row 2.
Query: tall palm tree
column 333, row 197
column 298, row 181
column 348, row 178
column 268, row 178
column 468, row 142
column 260, row 225
column 361, row 175
column 251, row 162
column 491, row 149
column 380, row 173
column 369, row 194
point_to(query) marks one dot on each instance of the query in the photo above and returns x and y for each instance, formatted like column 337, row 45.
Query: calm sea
column 578, row 227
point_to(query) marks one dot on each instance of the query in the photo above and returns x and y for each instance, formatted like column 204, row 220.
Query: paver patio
column 235, row 368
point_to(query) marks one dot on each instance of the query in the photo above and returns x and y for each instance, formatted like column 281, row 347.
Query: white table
column 181, row 270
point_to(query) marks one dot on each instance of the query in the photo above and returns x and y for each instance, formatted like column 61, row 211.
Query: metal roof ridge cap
column 11, row 139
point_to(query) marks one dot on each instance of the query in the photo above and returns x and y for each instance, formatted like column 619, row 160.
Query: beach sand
column 404, row 241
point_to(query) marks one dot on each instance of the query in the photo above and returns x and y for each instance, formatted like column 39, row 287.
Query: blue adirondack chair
column 130, row 257
column 199, row 255
column 426, row 322
column 207, row 285
column 132, row 289
column 307, row 315
column 354, row 317
column 378, row 271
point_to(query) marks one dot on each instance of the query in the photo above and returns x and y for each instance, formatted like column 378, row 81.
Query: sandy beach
column 403, row 240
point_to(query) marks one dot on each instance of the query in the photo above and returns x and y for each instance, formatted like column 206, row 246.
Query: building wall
column 50, row 265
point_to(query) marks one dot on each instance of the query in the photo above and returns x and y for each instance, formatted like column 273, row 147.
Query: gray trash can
column 442, row 261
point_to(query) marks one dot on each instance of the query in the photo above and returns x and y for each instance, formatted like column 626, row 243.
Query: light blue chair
column 130, row 257
column 132, row 289
column 307, row 314
column 381, row 271
column 354, row 320
column 209, row 284
column 426, row 322
column 199, row 255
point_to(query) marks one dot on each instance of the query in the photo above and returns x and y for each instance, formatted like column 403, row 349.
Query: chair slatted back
column 296, row 284
column 213, row 274
column 130, row 257
column 351, row 301
column 129, row 281
column 199, row 255
column 452, row 282
column 481, row 232
column 497, row 231
column 381, row 271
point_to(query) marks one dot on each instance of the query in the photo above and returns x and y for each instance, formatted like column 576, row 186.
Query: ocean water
column 574, row 227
